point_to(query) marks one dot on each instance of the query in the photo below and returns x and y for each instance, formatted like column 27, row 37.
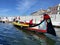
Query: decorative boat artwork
column 45, row 26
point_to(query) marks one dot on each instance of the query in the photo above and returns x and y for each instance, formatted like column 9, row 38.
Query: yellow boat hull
column 21, row 24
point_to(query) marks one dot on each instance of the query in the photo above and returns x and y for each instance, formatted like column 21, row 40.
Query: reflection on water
column 10, row 35
column 58, row 32
column 40, row 38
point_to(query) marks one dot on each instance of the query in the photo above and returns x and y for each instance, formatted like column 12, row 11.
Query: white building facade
column 55, row 9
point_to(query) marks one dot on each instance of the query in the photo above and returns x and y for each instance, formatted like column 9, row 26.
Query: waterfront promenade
column 36, row 19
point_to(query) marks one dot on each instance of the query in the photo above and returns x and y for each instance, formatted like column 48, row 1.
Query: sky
column 24, row 7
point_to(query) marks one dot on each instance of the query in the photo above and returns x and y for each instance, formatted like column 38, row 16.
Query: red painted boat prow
column 45, row 26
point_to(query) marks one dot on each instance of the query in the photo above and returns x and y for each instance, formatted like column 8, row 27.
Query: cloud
column 25, row 5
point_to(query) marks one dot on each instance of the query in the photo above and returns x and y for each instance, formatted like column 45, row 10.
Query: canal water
column 10, row 35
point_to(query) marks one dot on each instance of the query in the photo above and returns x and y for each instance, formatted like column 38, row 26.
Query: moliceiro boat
column 45, row 26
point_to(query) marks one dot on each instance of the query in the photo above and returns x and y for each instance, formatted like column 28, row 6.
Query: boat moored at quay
column 45, row 26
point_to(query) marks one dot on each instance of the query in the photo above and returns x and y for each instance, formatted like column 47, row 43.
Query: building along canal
column 10, row 35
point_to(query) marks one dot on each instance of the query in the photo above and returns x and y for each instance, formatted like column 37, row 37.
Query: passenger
column 15, row 19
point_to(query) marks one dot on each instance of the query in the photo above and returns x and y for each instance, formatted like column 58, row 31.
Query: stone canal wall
column 54, row 18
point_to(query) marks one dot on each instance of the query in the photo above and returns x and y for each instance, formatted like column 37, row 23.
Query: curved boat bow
column 45, row 26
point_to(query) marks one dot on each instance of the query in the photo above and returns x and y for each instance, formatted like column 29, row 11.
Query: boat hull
column 26, row 27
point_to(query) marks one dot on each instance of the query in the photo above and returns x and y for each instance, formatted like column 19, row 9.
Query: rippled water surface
column 10, row 35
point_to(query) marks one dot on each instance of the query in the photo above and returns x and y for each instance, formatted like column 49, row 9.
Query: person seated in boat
column 29, row 22
column 16, row 19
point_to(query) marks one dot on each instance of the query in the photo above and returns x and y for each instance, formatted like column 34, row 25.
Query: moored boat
column 44, row 27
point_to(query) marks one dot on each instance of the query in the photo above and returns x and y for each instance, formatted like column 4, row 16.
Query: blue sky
column 24, row 7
